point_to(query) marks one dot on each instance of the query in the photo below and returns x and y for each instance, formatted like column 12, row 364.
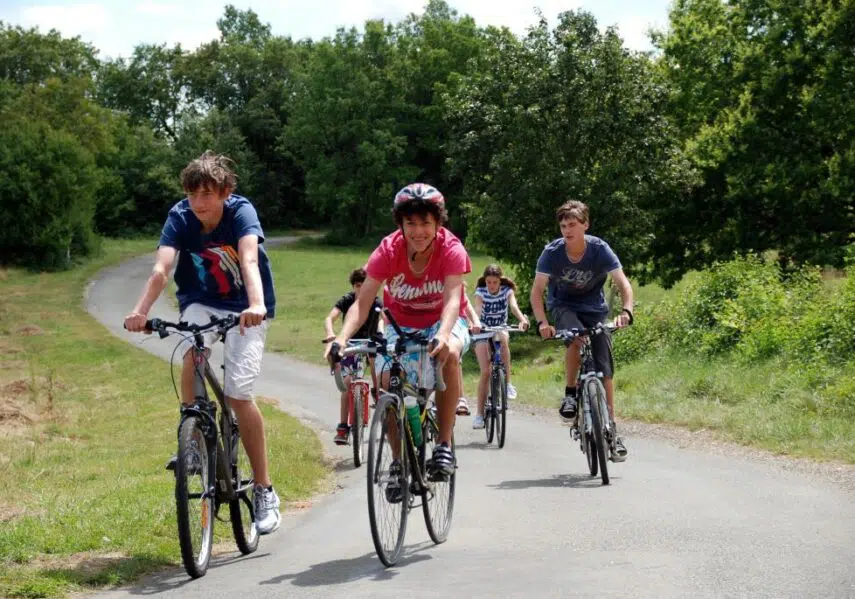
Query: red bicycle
column 358, row 394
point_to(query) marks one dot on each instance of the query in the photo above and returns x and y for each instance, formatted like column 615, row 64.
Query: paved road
column 528, row 522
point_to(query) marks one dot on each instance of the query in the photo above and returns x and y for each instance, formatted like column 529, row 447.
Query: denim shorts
column 410, row 361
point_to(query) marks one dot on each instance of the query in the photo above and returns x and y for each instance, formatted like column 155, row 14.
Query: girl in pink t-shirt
column 422, row 265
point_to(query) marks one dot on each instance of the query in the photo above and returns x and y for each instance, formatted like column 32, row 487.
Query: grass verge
column 766, row 404
column 86, row 425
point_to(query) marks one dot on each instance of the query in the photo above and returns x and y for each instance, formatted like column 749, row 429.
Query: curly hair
column 209, row 171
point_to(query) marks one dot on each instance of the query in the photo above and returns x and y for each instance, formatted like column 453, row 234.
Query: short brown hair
column 420, row 208
column 572, row 209
column 358, row 275
column 211, row 171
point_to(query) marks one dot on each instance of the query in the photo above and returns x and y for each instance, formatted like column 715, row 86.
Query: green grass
column 86, row 425
column 769, row 404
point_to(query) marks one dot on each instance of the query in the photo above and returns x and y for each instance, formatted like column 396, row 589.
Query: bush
column 47, row 185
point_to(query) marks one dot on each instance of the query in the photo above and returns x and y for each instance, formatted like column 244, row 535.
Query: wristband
column 628, row 313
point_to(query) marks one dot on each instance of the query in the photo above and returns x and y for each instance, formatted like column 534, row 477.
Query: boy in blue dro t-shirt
column 222, row 269
column 573, row 269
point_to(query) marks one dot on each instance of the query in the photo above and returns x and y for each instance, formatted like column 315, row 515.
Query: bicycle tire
column 195, row 464
column 387, row 530
column 241, row 510
column 502, row 411
column 590, row 449
column 490, row 409
column 357, row 429
column 595, row 390
column 438, row 508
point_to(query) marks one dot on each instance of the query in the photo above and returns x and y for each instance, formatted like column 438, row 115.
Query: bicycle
column 592, row 425
column 212, row 467
column 391, row 439
column 358, row 393
column 496, row 408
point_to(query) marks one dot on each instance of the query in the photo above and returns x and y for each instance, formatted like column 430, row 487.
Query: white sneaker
column 512, row 392
column 478, row 421
column 266, row 505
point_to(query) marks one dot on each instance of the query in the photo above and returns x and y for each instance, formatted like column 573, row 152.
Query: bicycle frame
column 358, row 378
column 220, row 485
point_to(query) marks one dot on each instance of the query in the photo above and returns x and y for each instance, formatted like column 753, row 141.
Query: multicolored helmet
column 419, row 191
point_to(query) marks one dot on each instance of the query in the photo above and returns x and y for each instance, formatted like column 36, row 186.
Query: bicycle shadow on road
column 575, row 481
column 175, row 578
column 342, row 571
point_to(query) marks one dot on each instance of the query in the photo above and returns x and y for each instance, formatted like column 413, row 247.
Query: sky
column 115, row 27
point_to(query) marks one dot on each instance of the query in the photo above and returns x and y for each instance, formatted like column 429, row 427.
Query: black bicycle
column 592, row 425
column 212, row 467
column 398, row 467
column 496, row 408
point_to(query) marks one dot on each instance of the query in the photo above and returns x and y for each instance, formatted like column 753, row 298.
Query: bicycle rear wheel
column 241, row 511
column 387, row 507
column 596, row 393
column 438, row 499
column 359, row 392
column 501, row 410
column 194, row 496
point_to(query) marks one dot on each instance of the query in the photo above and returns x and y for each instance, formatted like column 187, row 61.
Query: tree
column 559, row 115
column 763, row 96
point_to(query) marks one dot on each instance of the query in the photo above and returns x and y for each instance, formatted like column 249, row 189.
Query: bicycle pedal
column 574, row 433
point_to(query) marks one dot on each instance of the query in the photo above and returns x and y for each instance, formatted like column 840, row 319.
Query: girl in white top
column 494, row 297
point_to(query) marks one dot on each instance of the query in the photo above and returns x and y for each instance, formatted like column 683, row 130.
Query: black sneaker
column 394, row 488
column 442, row 463
column 567, row 411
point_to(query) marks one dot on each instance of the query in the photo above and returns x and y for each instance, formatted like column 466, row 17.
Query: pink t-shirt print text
column 416, row 301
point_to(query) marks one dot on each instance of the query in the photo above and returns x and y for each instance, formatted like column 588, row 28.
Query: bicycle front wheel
column 490, row 408
column 501, row 410
column 357, row 428
column 387, row 477
column 241, row 511
column 438, row 498
column 596, row 398
column 194, row 496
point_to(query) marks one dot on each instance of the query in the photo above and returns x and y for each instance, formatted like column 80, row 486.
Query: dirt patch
column 29, row 330
column 14, row 413
column 87, row 564
column 10, row 512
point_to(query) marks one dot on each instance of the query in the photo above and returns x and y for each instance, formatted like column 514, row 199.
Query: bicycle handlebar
column 160, row 326
column 378, row 345
column 570, row 335
column 490, row 332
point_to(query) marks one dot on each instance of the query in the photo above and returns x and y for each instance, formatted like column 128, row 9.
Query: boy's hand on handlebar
column 135, row 323
column 252, row 317
column 332, row 353
column 622, row 320
column 546, row 330
column 437, row 344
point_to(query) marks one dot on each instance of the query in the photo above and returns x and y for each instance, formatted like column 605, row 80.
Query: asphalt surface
column 528, row 520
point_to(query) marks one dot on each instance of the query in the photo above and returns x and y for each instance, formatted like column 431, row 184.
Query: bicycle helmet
column 419, row 191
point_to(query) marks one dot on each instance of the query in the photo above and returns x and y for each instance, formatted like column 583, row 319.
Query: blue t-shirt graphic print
column 208, row 270
column 578, row 286
column 494, row 308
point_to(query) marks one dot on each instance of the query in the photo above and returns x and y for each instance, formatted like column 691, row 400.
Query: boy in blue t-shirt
column 222, row 268
column 574, row 268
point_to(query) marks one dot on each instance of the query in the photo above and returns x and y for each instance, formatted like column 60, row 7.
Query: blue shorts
column 411, row 361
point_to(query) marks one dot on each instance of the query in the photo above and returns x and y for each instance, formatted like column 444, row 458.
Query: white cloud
column 69, row 19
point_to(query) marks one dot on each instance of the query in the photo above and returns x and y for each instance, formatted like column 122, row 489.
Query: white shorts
column 242, row 354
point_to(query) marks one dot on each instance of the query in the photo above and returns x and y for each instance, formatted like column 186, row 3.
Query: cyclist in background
column 574, row 268
column 372, row 324
column 494, row 297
